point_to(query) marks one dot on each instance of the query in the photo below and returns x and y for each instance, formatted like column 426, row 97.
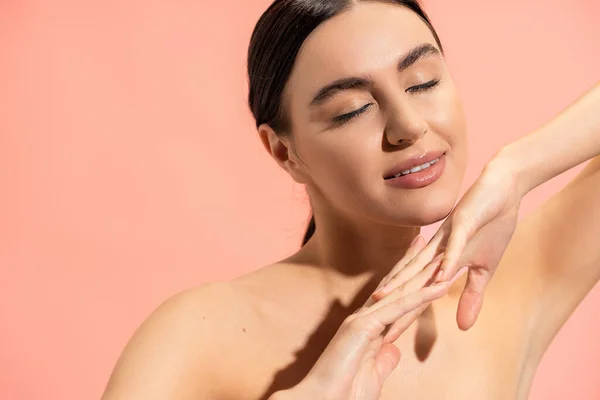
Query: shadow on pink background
column 130, row 168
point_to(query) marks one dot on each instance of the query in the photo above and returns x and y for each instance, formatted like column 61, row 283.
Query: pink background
column 130, row 168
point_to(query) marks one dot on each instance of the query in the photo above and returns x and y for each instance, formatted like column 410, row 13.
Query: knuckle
column 464, row 218
column 357, row 312
column 392, row 275
column 353, row 321
column 354, row 326
column 397, row 293
column 361, row 326
column 385, row 281
column 401, row 288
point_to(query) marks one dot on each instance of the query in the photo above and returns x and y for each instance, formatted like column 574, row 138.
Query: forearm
column 567, row 140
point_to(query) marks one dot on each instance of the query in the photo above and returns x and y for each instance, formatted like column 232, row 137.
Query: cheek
column 447, row 119
column 342, row 160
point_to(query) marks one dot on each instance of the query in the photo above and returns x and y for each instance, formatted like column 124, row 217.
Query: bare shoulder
column 177, row 351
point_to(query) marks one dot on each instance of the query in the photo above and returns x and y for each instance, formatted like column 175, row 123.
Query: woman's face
column 397, row 101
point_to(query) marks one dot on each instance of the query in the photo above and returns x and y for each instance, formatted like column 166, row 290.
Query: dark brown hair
column 274, row 45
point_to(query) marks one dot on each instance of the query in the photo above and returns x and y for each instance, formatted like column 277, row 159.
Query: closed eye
column 423, row 87
column 342, row 119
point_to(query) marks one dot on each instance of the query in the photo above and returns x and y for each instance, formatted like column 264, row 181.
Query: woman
column 354, row 100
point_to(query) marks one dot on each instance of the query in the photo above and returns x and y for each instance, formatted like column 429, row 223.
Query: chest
column 438, row 360
column 468, row 366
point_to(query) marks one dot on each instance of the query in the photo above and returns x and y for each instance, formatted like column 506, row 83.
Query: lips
column 412, row 162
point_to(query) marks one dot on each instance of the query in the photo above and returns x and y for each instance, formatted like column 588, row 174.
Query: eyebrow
column 414, row 55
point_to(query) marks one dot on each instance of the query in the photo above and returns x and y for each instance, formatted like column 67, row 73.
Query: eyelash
column 342, row 119
column 423, row 87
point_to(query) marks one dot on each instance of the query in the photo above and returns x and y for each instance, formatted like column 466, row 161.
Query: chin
column 424, row 210
column 429, row 216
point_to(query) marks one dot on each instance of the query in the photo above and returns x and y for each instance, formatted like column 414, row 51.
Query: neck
column 356, row 254
column 354, row 258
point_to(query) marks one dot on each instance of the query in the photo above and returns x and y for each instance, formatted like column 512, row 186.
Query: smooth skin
column 282, row 331
column 480, row 227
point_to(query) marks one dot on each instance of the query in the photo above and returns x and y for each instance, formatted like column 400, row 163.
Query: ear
column 279, row 147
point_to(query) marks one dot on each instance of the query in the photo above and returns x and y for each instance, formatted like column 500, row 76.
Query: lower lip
column 417, row 180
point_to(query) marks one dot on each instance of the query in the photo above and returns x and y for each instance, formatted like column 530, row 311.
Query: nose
column 405, row 125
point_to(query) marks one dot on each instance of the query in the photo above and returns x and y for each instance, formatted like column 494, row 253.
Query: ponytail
column 310, row 230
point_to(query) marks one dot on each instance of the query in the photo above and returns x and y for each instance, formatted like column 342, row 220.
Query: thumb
column 471, row 298
column 387, row 360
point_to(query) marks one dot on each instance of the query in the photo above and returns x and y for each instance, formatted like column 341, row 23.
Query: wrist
column 512, row 160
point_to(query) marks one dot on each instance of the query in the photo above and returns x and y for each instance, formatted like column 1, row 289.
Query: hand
column 362, row 353
column 475, row 235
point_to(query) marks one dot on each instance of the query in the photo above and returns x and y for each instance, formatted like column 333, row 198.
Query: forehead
column 369, row 37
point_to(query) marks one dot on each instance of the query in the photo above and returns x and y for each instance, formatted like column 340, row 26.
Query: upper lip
column 413, row 162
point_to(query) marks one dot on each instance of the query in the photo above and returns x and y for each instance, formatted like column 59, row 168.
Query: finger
column 463, row 228
column 455, row 248
column 403, row 323
column 471, row 298
column 418, row 283
column 346, row 350
column 390, row 313
column 406, row 284
column 416, row 246
column 400, row 326
column 387, row 360
column 425, row 256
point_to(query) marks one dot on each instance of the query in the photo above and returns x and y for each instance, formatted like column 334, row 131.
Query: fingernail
column 438, row 277
column 379, row 292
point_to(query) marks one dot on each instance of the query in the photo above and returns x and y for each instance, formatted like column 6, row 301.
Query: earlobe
column 279, row 148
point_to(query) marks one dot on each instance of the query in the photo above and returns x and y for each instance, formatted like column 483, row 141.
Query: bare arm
column 564, row 233
column 568, row 140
